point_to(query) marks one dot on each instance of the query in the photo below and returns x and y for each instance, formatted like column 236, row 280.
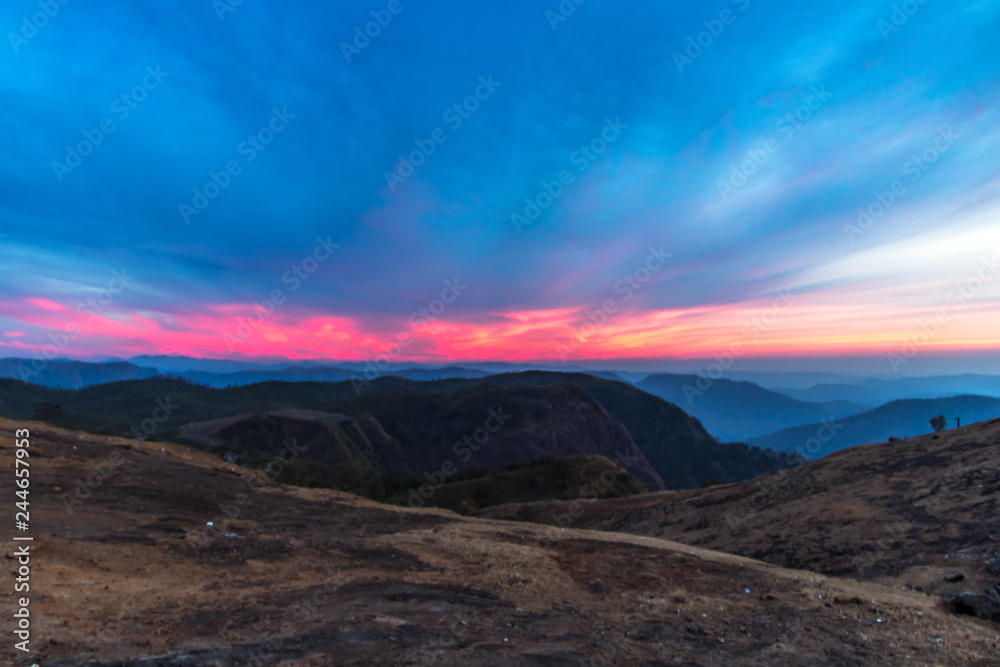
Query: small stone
column 954, row 577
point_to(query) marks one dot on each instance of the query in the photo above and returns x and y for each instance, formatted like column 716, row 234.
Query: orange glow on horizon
column 818, row 324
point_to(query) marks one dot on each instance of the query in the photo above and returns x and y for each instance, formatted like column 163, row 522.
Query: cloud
column 324, row 176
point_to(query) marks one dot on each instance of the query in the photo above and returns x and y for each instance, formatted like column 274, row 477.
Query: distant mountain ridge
column 878, row 391
column 322, row 374
column 68, row 374
column 739, row 411
column 898, row 419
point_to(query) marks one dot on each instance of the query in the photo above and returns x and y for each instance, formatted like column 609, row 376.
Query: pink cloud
column 828, row 322
column 46, row 304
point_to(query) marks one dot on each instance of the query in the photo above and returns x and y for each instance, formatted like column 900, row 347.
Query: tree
column 47, row 411
column 939, row 423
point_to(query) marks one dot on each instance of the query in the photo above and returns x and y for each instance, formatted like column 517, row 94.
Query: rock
column 994, row 567
column 954, row 577
column 980, row 606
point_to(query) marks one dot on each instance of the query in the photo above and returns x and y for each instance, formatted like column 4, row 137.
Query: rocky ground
column 133, row 574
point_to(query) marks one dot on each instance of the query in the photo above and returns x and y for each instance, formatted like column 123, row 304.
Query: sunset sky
column 573, row 187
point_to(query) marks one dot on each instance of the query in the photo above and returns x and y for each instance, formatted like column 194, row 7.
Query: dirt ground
column 914, row 513
column 133, row 574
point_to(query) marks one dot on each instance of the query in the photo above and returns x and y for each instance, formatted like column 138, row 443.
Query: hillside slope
column 907, row 512
column 137, row 575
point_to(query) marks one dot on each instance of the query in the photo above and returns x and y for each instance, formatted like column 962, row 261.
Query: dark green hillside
column 529, row 421
column 676, row 444
column 559, row 414
column 547, row 479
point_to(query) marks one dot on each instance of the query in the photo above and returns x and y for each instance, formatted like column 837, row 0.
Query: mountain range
column 877, row 391
column 379, row 438
column 739, row 411
column 898, row 419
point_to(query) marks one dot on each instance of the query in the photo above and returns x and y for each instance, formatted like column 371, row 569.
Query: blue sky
column 886, row 96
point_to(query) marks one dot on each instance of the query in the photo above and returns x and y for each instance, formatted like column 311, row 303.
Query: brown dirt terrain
column 910, row 512
column 133, row 575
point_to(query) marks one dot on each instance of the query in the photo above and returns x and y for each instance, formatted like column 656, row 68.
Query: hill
column 677, row 445
column 739, row 411
column 415, row 434
column 173, row 557
column 529, row 481
column 921, row 513
column 899, row 419
column 677, row 448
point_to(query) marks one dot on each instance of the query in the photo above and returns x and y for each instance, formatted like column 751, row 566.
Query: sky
column 505, row 181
